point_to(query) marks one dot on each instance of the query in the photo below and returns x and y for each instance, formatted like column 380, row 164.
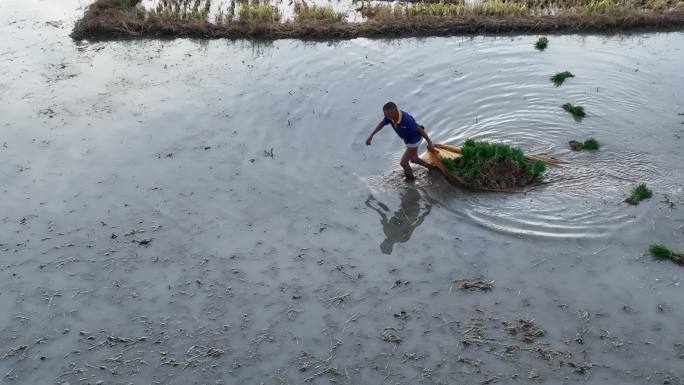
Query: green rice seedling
column 638, row 194
column 560, row 77
column 498, row 8
column 538, row 169
column 230, row 14
column 541, row 44
column 258, row 11
column 591, row 144
column 659, row 250
column 576, row 111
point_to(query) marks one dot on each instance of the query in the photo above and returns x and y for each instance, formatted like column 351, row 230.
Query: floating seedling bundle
column 489, row 166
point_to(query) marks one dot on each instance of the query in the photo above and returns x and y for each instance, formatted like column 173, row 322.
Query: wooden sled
column 446, row 151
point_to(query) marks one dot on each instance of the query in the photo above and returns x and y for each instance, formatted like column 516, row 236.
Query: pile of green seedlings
column 638, row 194
column 576, row 111
column 589, row 144
column 661, row 251
column 494, row 166
column 560, row 77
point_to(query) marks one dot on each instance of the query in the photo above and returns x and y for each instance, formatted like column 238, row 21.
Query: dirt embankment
column 103, row 21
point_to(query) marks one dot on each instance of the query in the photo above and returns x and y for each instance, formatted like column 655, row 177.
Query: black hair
column 389, row 106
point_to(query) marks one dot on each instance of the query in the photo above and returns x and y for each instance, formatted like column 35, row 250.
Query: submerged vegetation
column 261, row 18
column 576, row 111
column 541, row 44
column 589, row 144
column 494, row 166
column 560, row 77
column 638, row 194
column 661, row 251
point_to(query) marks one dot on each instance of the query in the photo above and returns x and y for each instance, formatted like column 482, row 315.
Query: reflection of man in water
column 400, row 226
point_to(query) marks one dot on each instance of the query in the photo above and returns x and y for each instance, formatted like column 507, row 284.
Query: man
column 412, row 133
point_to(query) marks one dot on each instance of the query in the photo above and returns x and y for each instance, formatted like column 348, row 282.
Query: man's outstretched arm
column 375, row 131
column 421, row 131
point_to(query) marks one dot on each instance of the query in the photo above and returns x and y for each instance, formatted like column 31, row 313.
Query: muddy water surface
column 191, row 212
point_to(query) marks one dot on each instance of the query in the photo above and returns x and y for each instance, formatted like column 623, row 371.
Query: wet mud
column 207, row 212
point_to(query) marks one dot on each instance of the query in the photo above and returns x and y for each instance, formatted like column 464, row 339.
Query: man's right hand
column 368, row 141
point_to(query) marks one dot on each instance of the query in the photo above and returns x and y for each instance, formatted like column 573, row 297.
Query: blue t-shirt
column 406, row 127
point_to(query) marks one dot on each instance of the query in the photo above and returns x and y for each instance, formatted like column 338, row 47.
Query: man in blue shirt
column 412, row 133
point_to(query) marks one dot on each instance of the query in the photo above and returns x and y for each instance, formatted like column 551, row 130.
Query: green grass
column 496, row 163
column 638, row 194
column 659, row 250
column 576, row 111
column 449, row 8
column 179, row 10
column 560, row 77
column 304, row 11
column 541, row 44
column 258, row 11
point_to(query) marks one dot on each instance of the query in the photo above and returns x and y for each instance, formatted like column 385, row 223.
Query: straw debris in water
column 475, row 284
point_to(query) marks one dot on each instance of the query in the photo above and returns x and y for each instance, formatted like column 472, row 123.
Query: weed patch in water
column 560, row 77
column 494, row 166
column 542, row 43
column 638, row 194
column 576, row 111
column 662, row 252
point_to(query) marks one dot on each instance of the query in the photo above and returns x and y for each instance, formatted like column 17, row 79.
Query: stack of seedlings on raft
column 494, row 166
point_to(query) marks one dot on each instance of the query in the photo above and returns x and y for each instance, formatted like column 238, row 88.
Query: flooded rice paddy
column 207, row 212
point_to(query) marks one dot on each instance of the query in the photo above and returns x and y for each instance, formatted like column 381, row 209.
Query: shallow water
column 295, row 264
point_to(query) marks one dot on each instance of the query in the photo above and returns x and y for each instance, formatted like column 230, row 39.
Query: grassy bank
column 261, row 19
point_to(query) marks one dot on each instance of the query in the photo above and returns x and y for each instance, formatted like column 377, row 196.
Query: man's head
column 391, row 111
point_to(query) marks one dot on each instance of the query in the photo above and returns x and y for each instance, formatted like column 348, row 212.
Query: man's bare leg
column 408, row 155
column 416, row 159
